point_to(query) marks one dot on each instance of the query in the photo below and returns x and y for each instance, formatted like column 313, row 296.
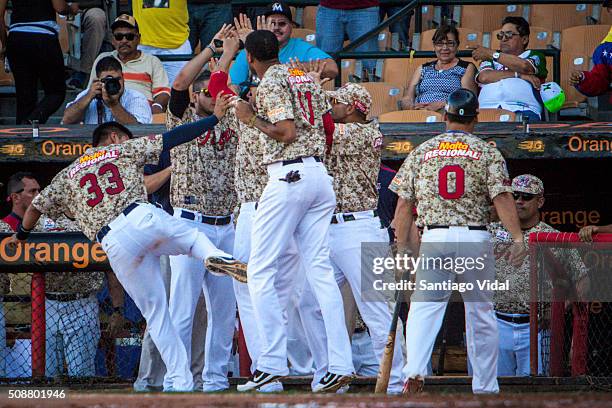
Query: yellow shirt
column 164, row 26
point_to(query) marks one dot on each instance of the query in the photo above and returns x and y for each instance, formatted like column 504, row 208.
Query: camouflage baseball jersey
column 69, row 282
column 203, row 170
column 354, row 162
column 452, row 177
column 5, row 281
column 250, row 175
column 289, row 94
column 516, row 298
column 97, row 186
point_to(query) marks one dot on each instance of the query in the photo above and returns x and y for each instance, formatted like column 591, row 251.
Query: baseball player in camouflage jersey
column 202, row 194
column 104, row 190
column 512, row 305
column 298, row 201
column 353, row 161
column 452, row 178
column 5, row 287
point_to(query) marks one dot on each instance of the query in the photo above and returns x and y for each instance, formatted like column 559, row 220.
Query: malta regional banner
column 52, row 252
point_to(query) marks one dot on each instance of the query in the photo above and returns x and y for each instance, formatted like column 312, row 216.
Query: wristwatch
column 496, row 55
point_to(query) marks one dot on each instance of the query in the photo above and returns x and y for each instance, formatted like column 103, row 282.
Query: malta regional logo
column 453, row 149
column 532, row 146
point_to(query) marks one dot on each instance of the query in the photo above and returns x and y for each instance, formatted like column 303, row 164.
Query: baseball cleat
column 258, row 379
column 274, row 386
column 224, row 265
column 332, row 382
column 414, row 385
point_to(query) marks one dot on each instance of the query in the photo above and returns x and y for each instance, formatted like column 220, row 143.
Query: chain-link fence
column 572, row 284
column 68, row 336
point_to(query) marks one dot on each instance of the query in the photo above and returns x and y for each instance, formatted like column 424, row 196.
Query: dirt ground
column 158, row 400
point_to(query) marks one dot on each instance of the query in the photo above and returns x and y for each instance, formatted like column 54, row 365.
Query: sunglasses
column 506, row 34
column 127, row 36
column 204, row 91
column 442, row 44
column 524, row 196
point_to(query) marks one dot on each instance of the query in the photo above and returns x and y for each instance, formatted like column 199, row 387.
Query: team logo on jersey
column 88, row 160
column 533, row 146
column 297, row 76
column 453, row 149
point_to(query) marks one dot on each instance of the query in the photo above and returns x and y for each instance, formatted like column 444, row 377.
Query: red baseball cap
column 218, row 84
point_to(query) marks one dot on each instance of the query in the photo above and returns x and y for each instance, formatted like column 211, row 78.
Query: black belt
column 513, row 319
column 299, row 160
column 207, row 220
column 471, row 227
column 105, row 229
column 66, row 297
column 348, row 217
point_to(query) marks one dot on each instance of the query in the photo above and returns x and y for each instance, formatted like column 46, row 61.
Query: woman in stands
column 34, row 54
column 432, row 82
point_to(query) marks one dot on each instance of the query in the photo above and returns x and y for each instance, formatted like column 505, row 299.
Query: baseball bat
column 384, row 370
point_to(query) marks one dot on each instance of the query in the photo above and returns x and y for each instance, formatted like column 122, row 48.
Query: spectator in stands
column 206, row 17
column 164, row 30
column 510, row 78
column 434, row 81
column 94, row 31
column 335, row 18
column 97, row 105
column 34, row 54
column 401, row 27
column 142, row 72
column 278, row 19
column 597, row 81
column 387, row 200
column 512, row 305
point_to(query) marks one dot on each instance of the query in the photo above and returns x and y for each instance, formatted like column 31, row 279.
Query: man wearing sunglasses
column 512, row 305
column 510, row 77
column 142, row 72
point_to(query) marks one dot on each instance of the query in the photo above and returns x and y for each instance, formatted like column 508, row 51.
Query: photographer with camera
column 107, row 99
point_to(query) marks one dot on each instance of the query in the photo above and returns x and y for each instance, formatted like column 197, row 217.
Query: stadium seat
column 309, row 17
column 399, row 71
column 583, row 39
column 469, row 39
column 496, row 115
column 305, row 34
column 159, row 118
column 486, row 18
column 384, row 96
column 384, row 40
column 569, row 63
column 413, row 116
column 557, row 17
column 539, row 38
column 348, row 69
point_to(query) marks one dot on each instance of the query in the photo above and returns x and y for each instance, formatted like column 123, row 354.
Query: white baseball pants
column 427, row 307
column 289, row 286
column 189, row 278
column 133, row 246
column 300, row 210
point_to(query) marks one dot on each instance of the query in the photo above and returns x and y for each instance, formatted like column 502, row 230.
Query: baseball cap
column 353, row 94
column 527, row 183
column 218, row 84
column 462, row 102
column 278, row 8
column 125, row 20
column 553, row 96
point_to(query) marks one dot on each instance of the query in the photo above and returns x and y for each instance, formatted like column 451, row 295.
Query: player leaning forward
column 298, row 201
column 452, row 178
column 104, row 189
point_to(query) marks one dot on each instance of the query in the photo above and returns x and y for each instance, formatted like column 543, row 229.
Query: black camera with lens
column 111, row 84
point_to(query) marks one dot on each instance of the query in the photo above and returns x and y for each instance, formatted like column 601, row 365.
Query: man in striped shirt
column 142, row 72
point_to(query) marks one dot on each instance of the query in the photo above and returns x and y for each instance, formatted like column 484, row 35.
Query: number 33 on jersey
column 452, row 179
column 97, row 186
